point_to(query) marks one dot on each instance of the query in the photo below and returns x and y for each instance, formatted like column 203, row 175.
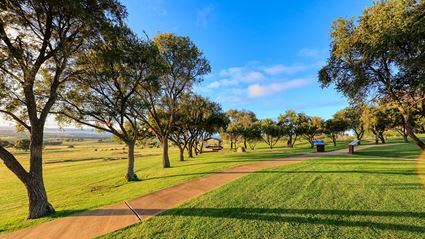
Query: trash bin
column 351, row 149
column 320, row 148
column 351, row 146
column 320, row 145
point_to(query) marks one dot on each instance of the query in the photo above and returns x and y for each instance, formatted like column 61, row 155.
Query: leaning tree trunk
column 131, row 176
column 39, row 205
column 415, row 139
column 165, row 158
column 244, row 143
column 381, row 136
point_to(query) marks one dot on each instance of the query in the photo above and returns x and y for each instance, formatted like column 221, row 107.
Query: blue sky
column 264, row 54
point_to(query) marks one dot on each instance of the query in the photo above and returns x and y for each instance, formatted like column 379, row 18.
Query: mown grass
column 352, row 197
column 97, row 180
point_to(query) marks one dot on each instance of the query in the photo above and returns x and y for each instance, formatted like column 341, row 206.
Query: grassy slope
column 333, row 197
column 76, row 186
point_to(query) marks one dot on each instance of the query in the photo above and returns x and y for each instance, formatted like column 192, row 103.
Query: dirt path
column 101, row 221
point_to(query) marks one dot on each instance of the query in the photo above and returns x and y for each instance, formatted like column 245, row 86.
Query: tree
column 290, row 123
column 39, row 41
column 377, row 121
column 382, row 55
column 185, row 66
column 334, row 127
column 4, row 143
column 104, row 95
column 23, row 144
column 197, row 118
column 240, row 121
column 271, row 132
column 253, row 134
column 396, row 121
column 311, row 127
column 353, row 116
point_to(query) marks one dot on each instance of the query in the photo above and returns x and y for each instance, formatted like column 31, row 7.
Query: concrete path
column 94, row 223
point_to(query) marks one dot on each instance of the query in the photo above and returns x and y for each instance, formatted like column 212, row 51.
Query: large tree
column 271, row 132
column 239, row 124
column 382, row 54
column 311, row 127
column 377, row 121
column 253, row 134
column 291, row 126
column 334, row 127
column 103, row 95
column 397, row 123
column 185, row 66
column 38, row 44
column 353, row 116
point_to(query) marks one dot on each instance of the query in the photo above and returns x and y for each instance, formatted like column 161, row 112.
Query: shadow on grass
column 304, row 216
column 374, row 172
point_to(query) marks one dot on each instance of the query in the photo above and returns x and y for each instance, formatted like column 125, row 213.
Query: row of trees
column 246, row 128
column 81, row 63
column 360, row 118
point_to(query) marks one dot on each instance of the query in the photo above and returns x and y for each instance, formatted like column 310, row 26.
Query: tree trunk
column 131, row 176
column 196, row 148
column 39, row 205
column 334, row 139
column 405, row 138
column 289, row 142
column 415, row 139
column 231, row 144
column 190, row 150
column 201, row 150
column 410, row 130
column 165, row 158
column 381, row 136
column 181, row 150
column 244, row 143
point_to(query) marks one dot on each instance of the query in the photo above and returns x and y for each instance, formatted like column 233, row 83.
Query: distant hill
column 6, row 131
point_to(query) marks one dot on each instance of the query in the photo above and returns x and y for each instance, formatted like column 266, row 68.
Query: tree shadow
column 304, row 216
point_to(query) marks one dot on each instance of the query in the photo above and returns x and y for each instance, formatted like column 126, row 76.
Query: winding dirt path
column 97, row 222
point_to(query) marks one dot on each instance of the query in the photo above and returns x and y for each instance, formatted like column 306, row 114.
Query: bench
column 351, row 146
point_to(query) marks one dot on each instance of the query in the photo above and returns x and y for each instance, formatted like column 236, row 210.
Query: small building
column 212, row 144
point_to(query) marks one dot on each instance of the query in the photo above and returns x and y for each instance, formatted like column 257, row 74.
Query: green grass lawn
column 98, row 181
column 352, row 197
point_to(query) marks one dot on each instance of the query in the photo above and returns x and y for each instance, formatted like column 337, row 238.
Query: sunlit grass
column 95, row 182
column 368, row 196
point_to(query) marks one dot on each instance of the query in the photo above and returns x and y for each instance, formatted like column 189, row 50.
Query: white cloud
column 203, row 15
column 282, row 69
column 155, row 7
column 309, row 53
column 258, row 90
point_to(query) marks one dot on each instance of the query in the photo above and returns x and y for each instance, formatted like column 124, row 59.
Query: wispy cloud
column 283, row 69
column 203, row 16
column 258, row 90
column 156, row 7
column 309, row 53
